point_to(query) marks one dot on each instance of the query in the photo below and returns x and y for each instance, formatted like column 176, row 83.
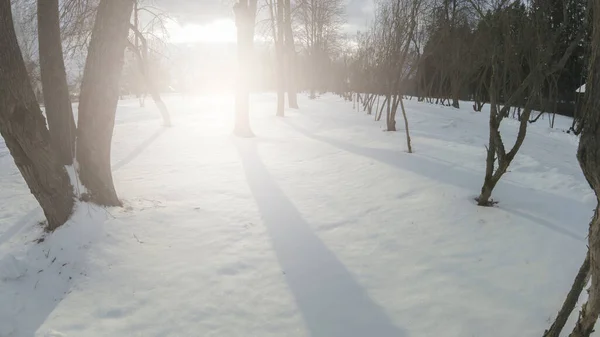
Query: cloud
column 217, row 31
column 358, row 12
column 197, row 11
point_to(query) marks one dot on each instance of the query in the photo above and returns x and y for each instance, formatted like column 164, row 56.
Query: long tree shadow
column 27, row 219
column 331, row 301
column 46, row 273
column 570, row 212
column 36, row 212
column 37, row 306
column 139, row 149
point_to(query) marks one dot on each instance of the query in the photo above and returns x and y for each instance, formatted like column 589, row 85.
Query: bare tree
column 77, row 21
column 99, row 96
column 290, row 56
column 391, row 42
column 24, row 130
column 245, row 16
column 587, row 155
column 59, row 112
column 142, row 51
column 276, row 15
column 517, row 34
column 24, row 18
column 280, row 51
column 319, row 25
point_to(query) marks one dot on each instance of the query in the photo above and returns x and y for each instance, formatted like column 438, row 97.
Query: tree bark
column 59, row 112
column 280, row 55
column 588, row 154
column 245, row 11
column 99, row 97
column 23, row 128
column 383, row 105
column 570, row 302
column 290, row 50
column 391, row 113
column 408, row 142
column 591, row 309
column 488, row 183
column 496, row 149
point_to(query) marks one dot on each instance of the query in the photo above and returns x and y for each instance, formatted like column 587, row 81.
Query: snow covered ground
column 321, row 226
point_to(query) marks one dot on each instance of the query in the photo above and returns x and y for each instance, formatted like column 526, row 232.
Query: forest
column 66, row 66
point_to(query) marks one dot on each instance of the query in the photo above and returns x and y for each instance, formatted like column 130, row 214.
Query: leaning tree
column 588, row 155
column 57, row 103
column 23, row 128
column 99, row 97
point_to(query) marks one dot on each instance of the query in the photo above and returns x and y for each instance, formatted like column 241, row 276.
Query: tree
column 245, row 15
column 59, row 112
column 276, row 9
column 280, row 51
column 290, row 56
column 589, row 160
column 388, row 58
column 141, row 50
column 23, row 128
column 77, row 22
column 448, row 50
column 519, row 68
column 319, row 25
column 98, row 100
column 24, row 18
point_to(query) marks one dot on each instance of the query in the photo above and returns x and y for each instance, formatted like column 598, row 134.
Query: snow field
column 320, row 226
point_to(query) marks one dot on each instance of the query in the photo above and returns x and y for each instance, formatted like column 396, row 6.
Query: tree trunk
column 280, row 55
column 313, row 72
column 455, row 103
column 496, row 149
column 591, row 309
column 391, row 113
column 383, row 105
column 160, row 104
column 143, row 59
column 588, row 155
column 23, row 128
column 99, row 98
column 488, row 182
column 244, row 20
column 59, row 112
column 455, row 85
column 408, row 143
column 581, row 280
column 487, row 188
column 290, row 50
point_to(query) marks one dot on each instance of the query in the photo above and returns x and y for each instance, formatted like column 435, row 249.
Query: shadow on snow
column 331, row 301
column 522, row 201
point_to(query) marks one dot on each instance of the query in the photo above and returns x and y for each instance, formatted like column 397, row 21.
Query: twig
column 138, row 240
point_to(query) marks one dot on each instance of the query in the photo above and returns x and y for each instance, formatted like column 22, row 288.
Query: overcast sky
column 201, row 12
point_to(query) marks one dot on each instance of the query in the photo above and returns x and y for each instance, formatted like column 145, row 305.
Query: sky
column 203, row 36
column 211, row 21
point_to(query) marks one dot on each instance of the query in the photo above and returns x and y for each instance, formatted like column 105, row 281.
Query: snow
column 323, row 225
column 581, row 89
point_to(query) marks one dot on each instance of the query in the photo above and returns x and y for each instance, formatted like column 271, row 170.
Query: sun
column 218, row 31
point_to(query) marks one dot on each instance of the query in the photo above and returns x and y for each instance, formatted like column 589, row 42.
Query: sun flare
column 218, row 31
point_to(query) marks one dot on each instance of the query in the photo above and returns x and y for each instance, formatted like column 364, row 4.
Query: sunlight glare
column 218, row 31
